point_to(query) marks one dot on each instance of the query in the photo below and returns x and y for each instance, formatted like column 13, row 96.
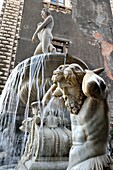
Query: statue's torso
column 92, row 120
column 89, row 130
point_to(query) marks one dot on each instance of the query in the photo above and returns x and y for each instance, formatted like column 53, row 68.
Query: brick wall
column 10, row 18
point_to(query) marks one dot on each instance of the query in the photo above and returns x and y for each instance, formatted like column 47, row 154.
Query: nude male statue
column 44, row 32
column 85, row 96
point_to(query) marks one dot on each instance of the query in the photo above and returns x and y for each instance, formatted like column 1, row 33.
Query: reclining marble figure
column 85, row 96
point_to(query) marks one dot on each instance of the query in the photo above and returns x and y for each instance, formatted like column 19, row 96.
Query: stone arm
column 37, row 120
column 48, row 94
column 42, row 26
column 94, row 86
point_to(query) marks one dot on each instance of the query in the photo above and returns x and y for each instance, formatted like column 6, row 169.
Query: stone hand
column 34, row 38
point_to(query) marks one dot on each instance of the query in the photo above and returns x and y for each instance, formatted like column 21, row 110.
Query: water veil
column 28, row 83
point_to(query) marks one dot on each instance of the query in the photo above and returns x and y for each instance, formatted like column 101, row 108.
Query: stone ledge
column 31, row 165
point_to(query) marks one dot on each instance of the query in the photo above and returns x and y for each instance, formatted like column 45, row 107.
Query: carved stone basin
column 47, row 63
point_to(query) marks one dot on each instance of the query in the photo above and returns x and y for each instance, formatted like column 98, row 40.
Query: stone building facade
column 9, row 33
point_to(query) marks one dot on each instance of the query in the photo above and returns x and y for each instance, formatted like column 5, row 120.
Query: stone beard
column 73, row 105
column 74, row 82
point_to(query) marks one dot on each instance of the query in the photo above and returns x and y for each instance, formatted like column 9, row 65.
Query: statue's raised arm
column 44, row 25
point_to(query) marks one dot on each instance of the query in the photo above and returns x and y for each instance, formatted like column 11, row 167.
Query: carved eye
column 65, row 97
column 70, row 83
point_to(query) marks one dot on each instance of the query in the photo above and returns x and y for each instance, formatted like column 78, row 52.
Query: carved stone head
column 69, row 80
column 45, row 12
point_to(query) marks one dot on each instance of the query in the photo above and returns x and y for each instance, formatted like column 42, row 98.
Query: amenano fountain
column 75, row 96
column 47, row 135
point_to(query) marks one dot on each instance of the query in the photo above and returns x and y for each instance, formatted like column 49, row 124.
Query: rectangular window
column 54, row 1
column 58, row 2
column 59, row 5
column 61, row 1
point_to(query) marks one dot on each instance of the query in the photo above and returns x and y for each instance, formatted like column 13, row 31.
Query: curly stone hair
column 74, row 71
column 47, row 11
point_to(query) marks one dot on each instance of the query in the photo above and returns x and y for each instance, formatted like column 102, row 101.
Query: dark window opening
column 61, row 44
column 59, row 49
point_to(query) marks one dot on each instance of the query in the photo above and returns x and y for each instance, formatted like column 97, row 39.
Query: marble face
column 43, row 14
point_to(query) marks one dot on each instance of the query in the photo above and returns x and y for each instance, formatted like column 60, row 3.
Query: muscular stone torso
column 89, row 131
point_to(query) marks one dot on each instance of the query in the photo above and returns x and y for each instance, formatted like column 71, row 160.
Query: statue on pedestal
column 44, row 33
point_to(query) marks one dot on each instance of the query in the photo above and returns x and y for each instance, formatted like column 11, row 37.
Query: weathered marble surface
column 85, row 95
column 44, row 33
column 48, row 140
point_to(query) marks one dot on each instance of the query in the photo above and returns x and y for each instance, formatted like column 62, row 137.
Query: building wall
column 29, row 23
column 31, row 16
column 10, row 20
column 87, row 28
column 95, row 43
column 79, row 28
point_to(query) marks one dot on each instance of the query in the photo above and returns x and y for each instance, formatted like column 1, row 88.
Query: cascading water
column 36, row 66
column 9, row 102
column 35, row 73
